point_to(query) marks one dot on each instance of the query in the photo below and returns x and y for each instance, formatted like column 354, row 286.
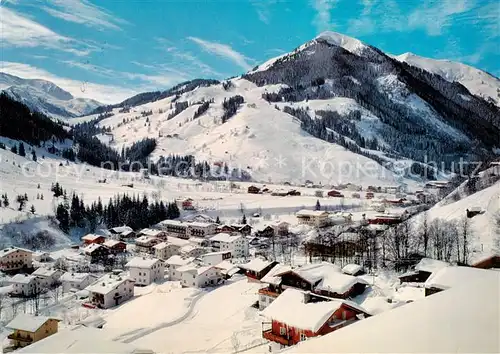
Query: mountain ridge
column 46, row 97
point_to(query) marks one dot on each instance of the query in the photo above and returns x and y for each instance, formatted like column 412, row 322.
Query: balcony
column 269, row 335
column 20, row 338
column 268, row 292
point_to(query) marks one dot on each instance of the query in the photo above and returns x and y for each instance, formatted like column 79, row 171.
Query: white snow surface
column 430, row 265
column 478, row 82
column 81, row 339
column 459, row 320
column 449, row 277
column 486, row 234
column 244, row 141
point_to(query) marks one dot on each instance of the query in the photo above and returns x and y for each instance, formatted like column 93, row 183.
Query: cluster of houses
column 308, row 301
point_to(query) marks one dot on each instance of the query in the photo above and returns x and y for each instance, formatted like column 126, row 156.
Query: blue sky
column 111, row 49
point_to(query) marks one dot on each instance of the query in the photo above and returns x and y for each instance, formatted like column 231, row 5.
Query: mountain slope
column 333, row 100
column 476, row 81
column 46, row 97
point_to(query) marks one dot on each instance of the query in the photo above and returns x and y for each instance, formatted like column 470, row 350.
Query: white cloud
column 224, row 51
column 19, row 31
column 434, row 17
column 323, row 16
column 262, row 9
column 102, row 93
column 83, row 12
column 162, row 79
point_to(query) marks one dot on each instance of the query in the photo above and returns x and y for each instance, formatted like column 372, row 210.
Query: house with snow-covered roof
column 97, row 253
column 93, row 239
column 173, row 263
column 213, row 258
column 29, row 329
column 145, row 244
column 237, row 244
column 317, row 218
column 423, row 270
column 14, row 259
column 146, row 270
column 257, row 268
column 76, row 281
column 122, row 232
column 297, row 315
column 152, row 233
column 456, row 276
column 110, row 290
column 322, row 278
column 24, row 285
column 192, row 275
column 169, row 247
column 115, row 246
column 47, row 277
column 353, row 269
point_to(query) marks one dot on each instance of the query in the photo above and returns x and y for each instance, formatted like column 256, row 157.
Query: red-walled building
column 297, row 315
column 91, row 238
column 335, row 194
column 115, row 246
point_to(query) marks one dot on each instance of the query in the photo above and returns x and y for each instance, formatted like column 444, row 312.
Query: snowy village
column 298, row 191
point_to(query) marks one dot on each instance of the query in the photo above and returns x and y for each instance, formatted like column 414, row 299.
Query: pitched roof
column 224, row 237
column 291, row 308
column 107, row 284
column 449, row 277
column 256, row 265
column 178, row 260
column 306, row 212
column 91, row 248
column 150, row 232
column 121, row 229
column 27, row 322
column 272, row 276
column 22, row 278
column 112, row 243
column 74, row 277
column 45, row 272
column 430, row 265
column 352, row 268
column 142, row 262
column 9, row 250
column 91, row 237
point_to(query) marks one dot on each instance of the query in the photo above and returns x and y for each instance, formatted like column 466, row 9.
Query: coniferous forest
column 134, row 211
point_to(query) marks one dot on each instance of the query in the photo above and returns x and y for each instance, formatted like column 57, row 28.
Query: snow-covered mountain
column 476, row 81
column 46, row 97
column 332, row 101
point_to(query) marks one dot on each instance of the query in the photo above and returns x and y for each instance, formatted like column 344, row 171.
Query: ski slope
column 485, row 227
column 260, row 139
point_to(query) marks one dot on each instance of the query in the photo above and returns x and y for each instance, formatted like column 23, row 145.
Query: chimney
column 307, row 298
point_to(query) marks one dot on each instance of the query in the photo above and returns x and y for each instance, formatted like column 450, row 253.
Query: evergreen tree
column 217, row 220
column 244, row 219
column 63, row 217
column 6, row 202
column 13, row 149
column 22, row 151
column 33, row 155
column 318, row 205
column 22, row 202
column 32, row 209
